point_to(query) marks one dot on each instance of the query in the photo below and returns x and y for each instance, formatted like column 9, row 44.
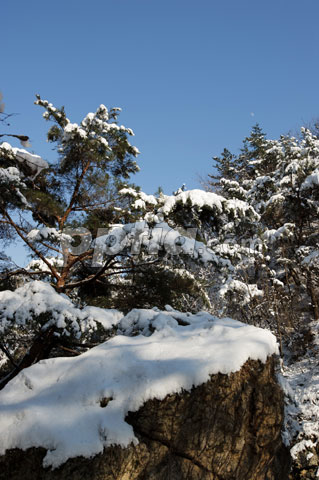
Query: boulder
column 228, row 428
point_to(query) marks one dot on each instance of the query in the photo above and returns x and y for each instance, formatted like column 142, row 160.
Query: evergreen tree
column 93, row 158
column 226, row 168
column 279, row 180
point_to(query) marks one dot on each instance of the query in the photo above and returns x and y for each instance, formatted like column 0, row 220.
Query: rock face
column 226, row 429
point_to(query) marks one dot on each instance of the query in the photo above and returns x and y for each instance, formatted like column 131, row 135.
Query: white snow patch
column 311, row 181
column 196, row 198
column 35, row 298
column 34, row 162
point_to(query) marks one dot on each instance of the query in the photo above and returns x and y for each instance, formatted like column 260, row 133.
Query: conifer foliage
column 279, row 180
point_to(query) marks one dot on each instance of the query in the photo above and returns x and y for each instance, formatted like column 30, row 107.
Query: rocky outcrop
column 226, row 429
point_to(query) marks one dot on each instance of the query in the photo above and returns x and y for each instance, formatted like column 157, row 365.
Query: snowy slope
column 301, row 385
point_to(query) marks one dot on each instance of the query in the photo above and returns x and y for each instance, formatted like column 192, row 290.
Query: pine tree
column 93, row 158
column 226, row 168
column 253, row 148
column 279, row 180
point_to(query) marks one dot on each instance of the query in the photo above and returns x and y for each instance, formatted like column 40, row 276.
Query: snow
column 239, row 208
column 128, row 191
column 27, row 303
column 273, row 235
column 34, row 162
column 311, row 181
column 10, row 175
column 150, row 199
column 139, row 204
column 39, row 265
column 142, row 199
column 246, row 291
column 136, row 235
column 47, row 233
column 233, row 187
column 196, row 198
column 59, row 403
column 73, row 129
column 10, row 180
column 94, row 126
column 108, row 318
column 277, row 199
column 312, row 259
column 300, row 381
column 104, row 142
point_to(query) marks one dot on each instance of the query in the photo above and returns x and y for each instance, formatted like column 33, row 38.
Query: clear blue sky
column 191, row 77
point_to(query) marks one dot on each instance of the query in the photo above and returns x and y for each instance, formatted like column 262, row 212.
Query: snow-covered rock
column 228, row 427
column 56, row 403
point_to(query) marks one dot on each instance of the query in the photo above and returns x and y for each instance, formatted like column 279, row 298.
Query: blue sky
column 191, row 77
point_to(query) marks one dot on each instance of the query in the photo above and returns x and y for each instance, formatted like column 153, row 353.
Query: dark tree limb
column 7, row 353
column 40, row 349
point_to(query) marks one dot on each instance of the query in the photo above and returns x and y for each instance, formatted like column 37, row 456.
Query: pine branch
column 105, row 267
column 30, row 245
column 22, row 271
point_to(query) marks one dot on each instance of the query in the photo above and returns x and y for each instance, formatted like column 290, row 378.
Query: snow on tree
column 49, row 197
column 38, row 200
column 174, row 239
column 278, row 180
